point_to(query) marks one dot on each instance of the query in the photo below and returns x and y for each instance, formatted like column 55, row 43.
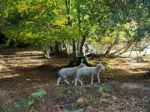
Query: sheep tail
column 59, row 74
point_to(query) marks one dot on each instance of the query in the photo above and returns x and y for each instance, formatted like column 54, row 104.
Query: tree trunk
column 47, row 53
column 114, row 53
column 57, row 48
column 81, row 56
column 69, row 23
column 108, row 50
column 124, row 49
column 84, row 37
column 110, row 47
column 135, row 43
column 2, row 38
column 76, row 59
column 127, row 46
column 130, row 53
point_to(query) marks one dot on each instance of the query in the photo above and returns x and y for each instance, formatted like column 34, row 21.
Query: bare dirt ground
column 28, row 84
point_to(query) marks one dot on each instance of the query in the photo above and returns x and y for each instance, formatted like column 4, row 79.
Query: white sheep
column 70, row 71
column 86, row 71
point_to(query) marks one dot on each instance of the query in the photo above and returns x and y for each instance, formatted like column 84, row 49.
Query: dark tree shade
column 2, row 38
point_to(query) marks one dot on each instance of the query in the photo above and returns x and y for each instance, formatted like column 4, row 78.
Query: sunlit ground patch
column 2, row 76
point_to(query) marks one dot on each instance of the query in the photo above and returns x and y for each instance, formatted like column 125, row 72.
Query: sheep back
column 86, row 71
column 65, row 72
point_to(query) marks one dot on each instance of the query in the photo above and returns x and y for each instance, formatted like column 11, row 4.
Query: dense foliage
column 44, row 22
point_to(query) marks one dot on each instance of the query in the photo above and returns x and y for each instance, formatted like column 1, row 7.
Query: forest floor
column 28, row 84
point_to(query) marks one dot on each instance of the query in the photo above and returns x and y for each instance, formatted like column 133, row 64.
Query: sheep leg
column 92, row 80
column 76, row 81
column 58, row 80
column 73, row 81
column 98, row 79
column 80, row 82
column 67, row 81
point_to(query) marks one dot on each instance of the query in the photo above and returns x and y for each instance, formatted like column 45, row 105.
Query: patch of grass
column 32, row 103
column 91, row 96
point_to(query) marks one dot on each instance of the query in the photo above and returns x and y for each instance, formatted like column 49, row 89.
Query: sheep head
column 100, row 67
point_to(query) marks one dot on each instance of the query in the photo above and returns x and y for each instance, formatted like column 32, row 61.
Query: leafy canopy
column 42, row 22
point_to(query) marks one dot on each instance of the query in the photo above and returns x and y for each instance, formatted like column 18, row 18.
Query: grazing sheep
column 89, row 71
column 65, row 72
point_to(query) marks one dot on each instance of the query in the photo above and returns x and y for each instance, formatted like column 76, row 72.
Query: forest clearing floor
column 28, row 84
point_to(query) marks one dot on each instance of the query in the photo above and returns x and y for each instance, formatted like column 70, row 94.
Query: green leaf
column 39, row 93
